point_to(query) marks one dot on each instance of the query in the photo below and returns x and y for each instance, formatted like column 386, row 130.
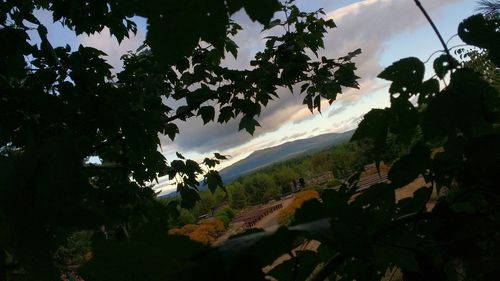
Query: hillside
column 271, row 155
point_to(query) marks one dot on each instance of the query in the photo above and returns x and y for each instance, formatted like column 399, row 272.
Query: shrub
column 285, row 216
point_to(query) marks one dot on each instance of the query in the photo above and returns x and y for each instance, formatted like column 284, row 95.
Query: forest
column 65, row 216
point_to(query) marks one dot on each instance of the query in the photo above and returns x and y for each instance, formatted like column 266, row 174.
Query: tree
column 59, row 107
column 320, row 162
column 348, row 158
column 260, row 187
column 238, row 198
column 488, row 7
column 284, row 177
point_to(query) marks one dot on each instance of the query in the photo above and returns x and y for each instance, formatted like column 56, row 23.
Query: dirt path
column 270, row 222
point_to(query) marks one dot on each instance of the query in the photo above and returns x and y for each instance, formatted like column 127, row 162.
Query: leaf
column 428, row 89
column 404, row 119
column 310, row 210
column 438, row 120
column 171, row 130
column 179, row 155
column 442, row 65
column 410, row 166
column 232, row 48
column 210, row 162
column 182, row 65
column 225, row 114
column 416, row 203
column 317, row 103
column 248, row 124
column 345, row 76
column 380, row 199
column 269, row 248
column 189, row 197
column 219, row 156
column 403, row 258
column 374, row 126
column 482, row 33
column 261, row 10
column 272, row 24
column 298, row 267
column 213, row 180
column 476, row 31
column 406, row 75
column 158, row 258
column 207, row 113
column 170, row 42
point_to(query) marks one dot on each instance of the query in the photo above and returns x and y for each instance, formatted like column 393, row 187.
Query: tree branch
column 419, row 5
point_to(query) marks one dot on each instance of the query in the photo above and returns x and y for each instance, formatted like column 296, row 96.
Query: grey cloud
column 111, row 47
column 368, row 28
column 293, row 137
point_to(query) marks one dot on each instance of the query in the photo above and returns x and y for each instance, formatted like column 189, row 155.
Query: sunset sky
column 385, row 30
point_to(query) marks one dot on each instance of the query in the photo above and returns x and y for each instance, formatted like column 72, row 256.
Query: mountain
column 261, row 158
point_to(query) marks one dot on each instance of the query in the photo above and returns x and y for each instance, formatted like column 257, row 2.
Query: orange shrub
column 176, row 231
column 202, row 236
column 285, row 215
column 216, row 225
column 205, row 232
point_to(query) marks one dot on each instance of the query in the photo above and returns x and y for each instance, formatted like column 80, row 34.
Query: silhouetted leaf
column 213, row 181
column 207, row 113
column 374, row 126
column 406, row 75
column 248, row 124
column 442, row 65
column 189, row 197
column 410, row 166
column 171, row 130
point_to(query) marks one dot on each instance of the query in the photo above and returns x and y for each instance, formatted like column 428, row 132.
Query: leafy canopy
column 59, row 107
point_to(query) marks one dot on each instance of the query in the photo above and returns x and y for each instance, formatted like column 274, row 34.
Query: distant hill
column 262, row 158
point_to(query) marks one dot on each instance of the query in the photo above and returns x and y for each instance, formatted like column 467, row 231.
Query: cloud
column 293, row 137
column 114, row 50
column 367, row 24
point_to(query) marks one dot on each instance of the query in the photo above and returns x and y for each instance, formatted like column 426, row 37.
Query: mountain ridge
column 272, row 155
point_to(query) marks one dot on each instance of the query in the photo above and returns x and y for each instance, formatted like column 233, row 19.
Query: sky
column 385, row 30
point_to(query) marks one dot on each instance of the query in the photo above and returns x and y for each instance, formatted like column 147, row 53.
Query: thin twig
column 419, row 5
